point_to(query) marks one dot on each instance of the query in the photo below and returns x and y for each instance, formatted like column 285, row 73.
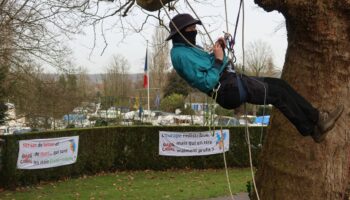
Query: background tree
column 116, row 83
column 84, row 85
column 258, row 58
column 3, row 108
column 159, row 63
column 172, row 102
column 176, row 84
column 31, row 32
column 259, row 63
column 5, row 54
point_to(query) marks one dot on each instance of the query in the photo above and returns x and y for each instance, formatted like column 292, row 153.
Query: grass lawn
column 132, row 185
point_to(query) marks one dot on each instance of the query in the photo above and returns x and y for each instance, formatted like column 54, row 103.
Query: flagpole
column 148, row 83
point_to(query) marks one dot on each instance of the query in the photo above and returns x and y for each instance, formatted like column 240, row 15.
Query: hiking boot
column 326, row 123
column 317, row 136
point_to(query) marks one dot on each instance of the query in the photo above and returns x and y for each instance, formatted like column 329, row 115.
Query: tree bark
column 317, row 65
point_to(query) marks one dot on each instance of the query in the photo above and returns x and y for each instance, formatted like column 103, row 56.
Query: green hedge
column 119, row 148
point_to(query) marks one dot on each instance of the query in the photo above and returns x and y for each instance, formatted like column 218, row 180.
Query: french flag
column 145, row 76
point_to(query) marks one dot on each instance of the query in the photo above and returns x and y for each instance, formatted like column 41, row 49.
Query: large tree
column 317, row 65
column 159, row 62
column 116, row 83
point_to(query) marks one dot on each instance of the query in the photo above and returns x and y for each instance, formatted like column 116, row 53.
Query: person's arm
column 218, row 52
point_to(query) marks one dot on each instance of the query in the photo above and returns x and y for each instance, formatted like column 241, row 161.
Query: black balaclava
column 190, row 36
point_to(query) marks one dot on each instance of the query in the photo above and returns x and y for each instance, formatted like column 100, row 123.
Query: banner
column 193, row 143
column 47, row 153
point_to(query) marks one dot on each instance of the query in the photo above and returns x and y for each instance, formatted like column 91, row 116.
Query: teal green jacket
column 196, row 66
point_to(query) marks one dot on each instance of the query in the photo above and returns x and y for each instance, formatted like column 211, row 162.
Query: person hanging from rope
column 211, row 73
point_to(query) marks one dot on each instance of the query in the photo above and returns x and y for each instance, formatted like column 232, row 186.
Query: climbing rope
column 206, row 32
column 245, row 105
column 214, row 96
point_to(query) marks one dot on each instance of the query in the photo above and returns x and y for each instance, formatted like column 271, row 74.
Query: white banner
column 47, row 153
column 193, row 143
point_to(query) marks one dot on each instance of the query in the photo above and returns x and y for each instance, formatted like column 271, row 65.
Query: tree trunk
column 318, row 66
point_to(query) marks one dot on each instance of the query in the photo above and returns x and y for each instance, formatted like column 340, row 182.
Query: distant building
column 198, row 107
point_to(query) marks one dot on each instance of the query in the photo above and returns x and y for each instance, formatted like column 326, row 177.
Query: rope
column 226, row 170
column 226, row 17
column 245, row 108
column 237, row 19
column 214, row 96
column 194, row 12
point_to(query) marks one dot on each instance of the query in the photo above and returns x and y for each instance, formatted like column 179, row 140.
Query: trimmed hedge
column 119, row 148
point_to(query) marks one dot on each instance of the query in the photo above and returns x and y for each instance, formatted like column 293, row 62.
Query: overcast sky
column 259, row 25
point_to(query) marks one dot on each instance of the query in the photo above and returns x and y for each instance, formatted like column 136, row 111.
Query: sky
column 259, row 25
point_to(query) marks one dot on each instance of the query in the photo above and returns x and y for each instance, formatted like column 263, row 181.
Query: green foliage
column 3, row 107
column 176, row 85
column 188, row 111
column 261, row 110
column 120, row 148
column 172, row 102
column 70, row 126
column 224, row 112
column 101, row 122
column 139, row 122
column 249, row 187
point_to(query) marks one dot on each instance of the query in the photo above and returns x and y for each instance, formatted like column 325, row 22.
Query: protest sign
column 47, row 153
column 193, row 143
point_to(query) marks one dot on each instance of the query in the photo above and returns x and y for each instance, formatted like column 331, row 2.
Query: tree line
column 30, row 39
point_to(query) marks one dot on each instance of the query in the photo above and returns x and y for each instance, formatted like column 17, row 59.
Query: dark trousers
column 264, row 90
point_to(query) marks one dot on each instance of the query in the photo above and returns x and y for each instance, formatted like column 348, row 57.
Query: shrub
column 172, row 102
column 119, row 148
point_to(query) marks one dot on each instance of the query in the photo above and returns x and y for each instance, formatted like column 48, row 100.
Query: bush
column 70, row 126
column 119, row 148
column 101, row 122
column 224, row 112
column 262, row 111
column 188, row 111
column 172, row 102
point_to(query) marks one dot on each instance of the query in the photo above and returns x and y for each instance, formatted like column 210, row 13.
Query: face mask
column 190, row 36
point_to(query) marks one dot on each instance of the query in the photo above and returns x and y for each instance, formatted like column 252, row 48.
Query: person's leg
column 260, row 92
column 311, row 112
column 228, row 95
